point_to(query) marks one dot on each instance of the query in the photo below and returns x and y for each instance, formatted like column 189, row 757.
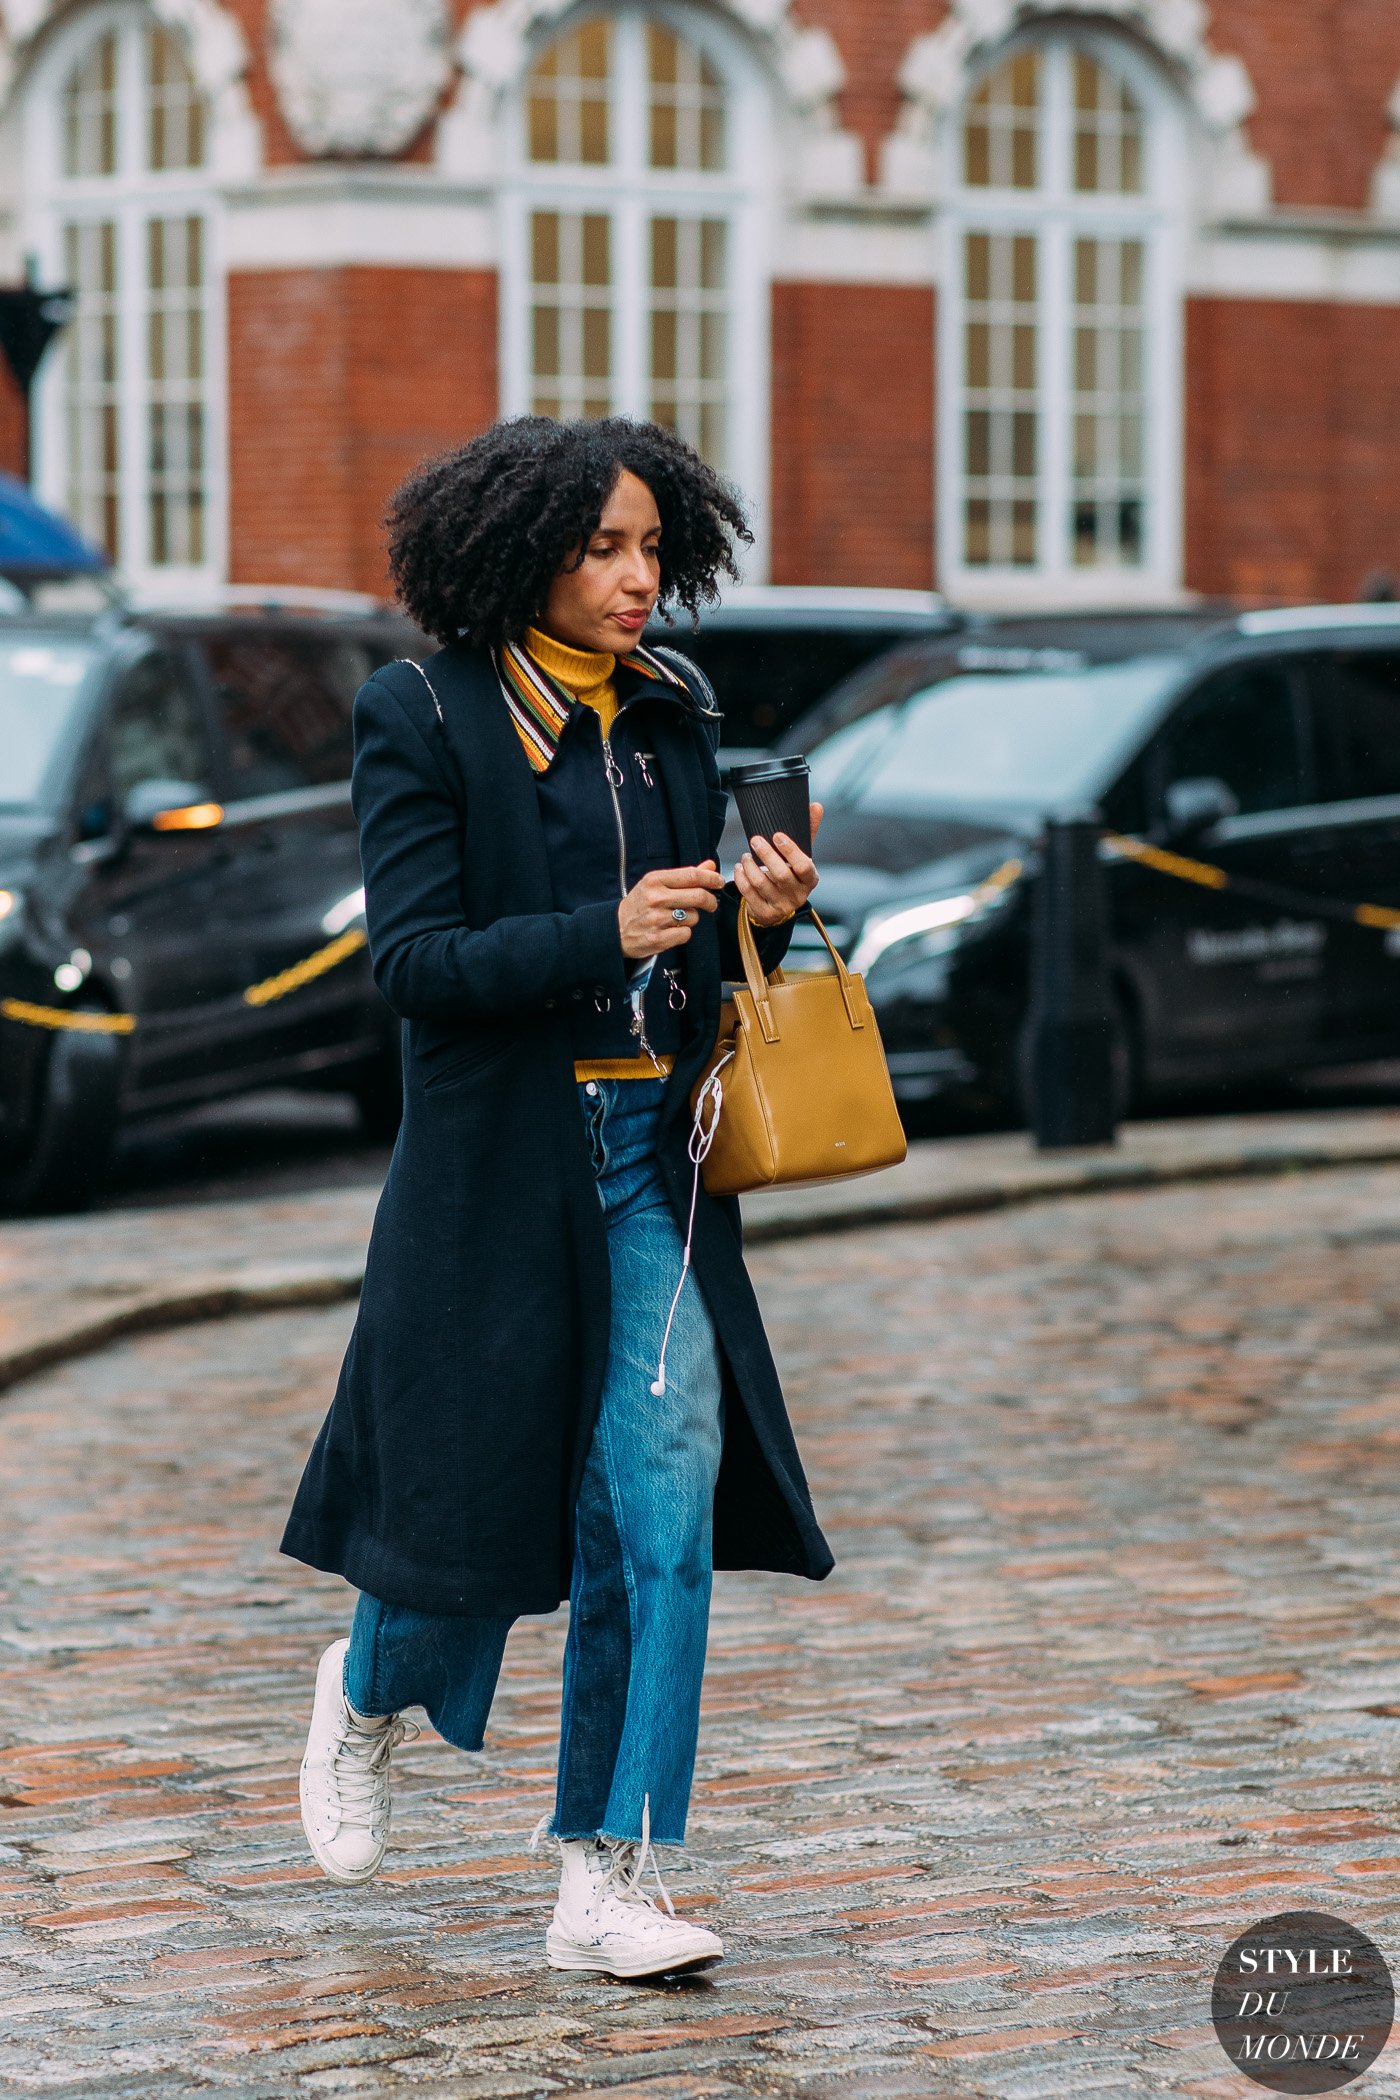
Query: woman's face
column 606, row 601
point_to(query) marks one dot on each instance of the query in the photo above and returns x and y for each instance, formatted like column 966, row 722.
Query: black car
column 175, row 837
column 772, row 651
column 1266, row 746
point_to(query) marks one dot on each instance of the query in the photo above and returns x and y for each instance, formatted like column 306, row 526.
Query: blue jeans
column 640, row 1593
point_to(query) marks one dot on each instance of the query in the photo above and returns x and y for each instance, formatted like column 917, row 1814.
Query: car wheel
column 74, row 1131
column 378, row 1090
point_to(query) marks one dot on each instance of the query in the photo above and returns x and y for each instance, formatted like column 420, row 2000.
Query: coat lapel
column 505, row 863
column 540, row 706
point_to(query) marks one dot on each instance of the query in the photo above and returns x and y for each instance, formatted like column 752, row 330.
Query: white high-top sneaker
column 606, row 1922
column 345, row 1777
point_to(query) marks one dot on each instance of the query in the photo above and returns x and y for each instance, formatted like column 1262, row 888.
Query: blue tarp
column 36, row 543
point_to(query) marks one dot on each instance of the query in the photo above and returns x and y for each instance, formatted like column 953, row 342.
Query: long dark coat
column 446, row 1473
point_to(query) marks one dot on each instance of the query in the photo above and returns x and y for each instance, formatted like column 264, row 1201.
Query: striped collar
column 540, row 706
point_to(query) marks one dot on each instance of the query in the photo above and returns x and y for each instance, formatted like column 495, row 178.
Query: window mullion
column 1056, row 405
column 133, row 301
column 134, row 386
column 631, row 224
column 629, row 110
column 631, row 307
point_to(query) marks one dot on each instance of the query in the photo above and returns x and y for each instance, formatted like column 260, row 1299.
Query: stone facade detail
column 357, row 78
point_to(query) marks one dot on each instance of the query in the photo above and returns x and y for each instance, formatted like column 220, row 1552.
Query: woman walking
column 558, row 1384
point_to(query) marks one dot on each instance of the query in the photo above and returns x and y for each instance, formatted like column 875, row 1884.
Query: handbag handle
column 758, row 983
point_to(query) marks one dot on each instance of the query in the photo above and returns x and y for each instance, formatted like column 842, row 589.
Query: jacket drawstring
column 702, row 1136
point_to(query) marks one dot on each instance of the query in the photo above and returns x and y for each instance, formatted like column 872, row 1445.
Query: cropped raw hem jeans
column 640, row 1593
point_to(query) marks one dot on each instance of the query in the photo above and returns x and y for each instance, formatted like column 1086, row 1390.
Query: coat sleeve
column 770, row 941
column 428, row 963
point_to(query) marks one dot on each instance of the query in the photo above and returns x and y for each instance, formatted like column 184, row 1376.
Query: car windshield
column 39, row 684
column 1030, row 740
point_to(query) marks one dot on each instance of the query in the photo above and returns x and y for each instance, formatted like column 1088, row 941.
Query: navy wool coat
column 445, row 1475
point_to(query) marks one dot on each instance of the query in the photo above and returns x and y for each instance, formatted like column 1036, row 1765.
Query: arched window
column 1061, row 428
column 124, row 444
column 632, row 236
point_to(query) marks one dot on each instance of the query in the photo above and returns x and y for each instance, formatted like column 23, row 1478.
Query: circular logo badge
column 1303, row 2003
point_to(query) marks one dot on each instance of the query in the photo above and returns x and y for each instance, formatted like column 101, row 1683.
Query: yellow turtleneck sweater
column 588, row 675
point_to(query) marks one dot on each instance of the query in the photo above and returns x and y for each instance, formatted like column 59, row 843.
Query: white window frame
column 1056, row 214
column 131, row 197
column 630, row 191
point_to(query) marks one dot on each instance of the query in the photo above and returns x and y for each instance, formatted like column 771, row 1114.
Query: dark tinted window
column 39, row 685
column 1356, row 715
column 1033, row 740
column 156, row 729
column 285, row 703
column 765, row 678
column 1241, row 728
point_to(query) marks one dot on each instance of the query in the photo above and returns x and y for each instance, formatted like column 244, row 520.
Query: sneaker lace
column 630, row 1859
column 361, row 1760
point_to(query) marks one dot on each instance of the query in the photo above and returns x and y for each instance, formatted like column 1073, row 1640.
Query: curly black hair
column 477, row 536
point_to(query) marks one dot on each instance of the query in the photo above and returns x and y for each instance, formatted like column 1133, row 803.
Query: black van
column 175, row 832
column 1267, row 746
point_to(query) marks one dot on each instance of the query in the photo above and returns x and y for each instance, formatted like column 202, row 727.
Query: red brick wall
column 872, row 37
column 1293, row 411
column 339, row 382
column 278, row 144
column 853, row 434
column 1323, row 71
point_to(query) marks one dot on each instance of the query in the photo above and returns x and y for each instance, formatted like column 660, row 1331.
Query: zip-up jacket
column 607, row 823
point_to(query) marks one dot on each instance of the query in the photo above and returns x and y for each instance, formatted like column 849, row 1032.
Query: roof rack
column 1300, row 619
column 255, row 597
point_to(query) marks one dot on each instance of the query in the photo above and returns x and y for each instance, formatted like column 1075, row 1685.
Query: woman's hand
column 646, row 916
column 776, row 877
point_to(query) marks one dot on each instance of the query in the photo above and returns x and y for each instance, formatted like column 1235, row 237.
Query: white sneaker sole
column 568, row 1954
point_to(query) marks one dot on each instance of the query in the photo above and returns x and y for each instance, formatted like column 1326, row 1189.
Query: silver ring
column 678, row 915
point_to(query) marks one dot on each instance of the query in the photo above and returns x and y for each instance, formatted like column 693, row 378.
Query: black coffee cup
column 773, row 795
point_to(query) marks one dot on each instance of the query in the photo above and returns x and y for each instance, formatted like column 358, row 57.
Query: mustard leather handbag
column 796, row 1089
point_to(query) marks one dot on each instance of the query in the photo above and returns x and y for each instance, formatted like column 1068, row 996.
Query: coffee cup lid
column 770, row 769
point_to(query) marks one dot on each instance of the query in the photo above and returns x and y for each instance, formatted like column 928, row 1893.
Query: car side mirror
column 169, row 805
column 1194, row 805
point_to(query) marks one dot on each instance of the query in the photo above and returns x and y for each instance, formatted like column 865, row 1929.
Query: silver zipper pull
column 675, row 994
column 641, row 758
column 613, row 769
column 639, row 1030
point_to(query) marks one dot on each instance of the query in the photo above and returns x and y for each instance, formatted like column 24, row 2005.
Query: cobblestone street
column 1109, row 1668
